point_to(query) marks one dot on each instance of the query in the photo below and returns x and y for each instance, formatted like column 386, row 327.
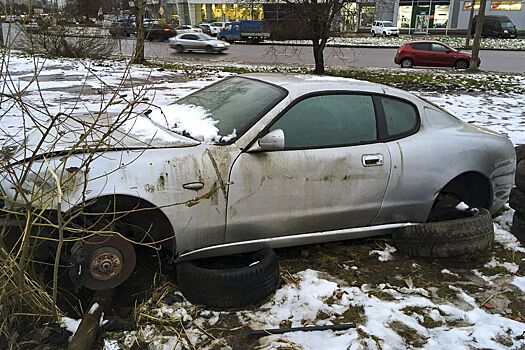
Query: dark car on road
column 431, row 53
column 496, row 27
column 123, row 27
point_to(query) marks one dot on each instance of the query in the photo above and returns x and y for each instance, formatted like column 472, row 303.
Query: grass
column 410, row 79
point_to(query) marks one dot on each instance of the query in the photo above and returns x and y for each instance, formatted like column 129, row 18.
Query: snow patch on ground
column 509, row 266
column 519, row 281
column 385, row 254
column 70, row 324
column 320, row 301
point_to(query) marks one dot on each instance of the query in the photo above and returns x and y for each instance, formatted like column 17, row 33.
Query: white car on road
column 384, row 28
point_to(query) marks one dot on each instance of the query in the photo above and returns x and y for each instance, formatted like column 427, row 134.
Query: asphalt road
column 491, row 60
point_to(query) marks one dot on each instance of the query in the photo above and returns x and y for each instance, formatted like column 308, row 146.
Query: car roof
column 300, row 84
column 424, row 42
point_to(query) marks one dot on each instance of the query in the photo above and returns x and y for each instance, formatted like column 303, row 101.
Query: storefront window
column 440, row 16
column 349, row 17
column 506, row 5
column 367, row 15
column 404, row 17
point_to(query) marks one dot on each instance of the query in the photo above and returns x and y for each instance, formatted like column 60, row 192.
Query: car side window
column 439, row 48
column 328, row 121
column 421, row 46
column 400, row 116
column 191, row 37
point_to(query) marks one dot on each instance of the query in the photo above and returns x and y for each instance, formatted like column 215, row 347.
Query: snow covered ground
column 395, row 302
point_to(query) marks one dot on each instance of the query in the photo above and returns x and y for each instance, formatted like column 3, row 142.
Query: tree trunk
column 138, row 54
column 477, row 35
column 318, row 48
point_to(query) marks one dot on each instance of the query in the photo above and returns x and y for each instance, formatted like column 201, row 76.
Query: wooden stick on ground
column 87, row 330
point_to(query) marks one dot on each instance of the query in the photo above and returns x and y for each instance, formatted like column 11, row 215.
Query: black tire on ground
column 209, row 49
column 179, row 48
column 517, row 200
column 384, row 34
column 520, row 175
column 231, row 281
column 518, row 226
column 461, row 64
column 473, row 232
column 407, row 63
column 520, row 153
column 373, row 33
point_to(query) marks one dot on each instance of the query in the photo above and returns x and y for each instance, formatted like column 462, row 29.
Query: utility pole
column 469, row 30
column 477, row 35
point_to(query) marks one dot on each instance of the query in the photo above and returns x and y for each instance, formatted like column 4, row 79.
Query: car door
column 331, row 174
column 441, row 55
column 190, row 41
column 422, row 54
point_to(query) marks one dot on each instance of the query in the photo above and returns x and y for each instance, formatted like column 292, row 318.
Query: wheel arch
column 471, row 187
column 139, row 219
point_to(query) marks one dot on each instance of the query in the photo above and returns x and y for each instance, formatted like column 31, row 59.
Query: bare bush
column 46, row 159
column 65, row 42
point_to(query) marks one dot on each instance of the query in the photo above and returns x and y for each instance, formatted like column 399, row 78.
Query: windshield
column 388, row 24
column 507, row 25
column 221, row 112
column 206, row 37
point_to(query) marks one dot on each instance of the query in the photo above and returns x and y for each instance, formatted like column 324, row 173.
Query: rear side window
column 401, row 117
column 421, row 46
column 329, row 121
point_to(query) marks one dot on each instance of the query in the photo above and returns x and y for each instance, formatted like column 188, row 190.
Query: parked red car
column 431, row 53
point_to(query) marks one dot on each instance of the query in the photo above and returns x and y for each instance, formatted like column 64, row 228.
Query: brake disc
column 109, row 261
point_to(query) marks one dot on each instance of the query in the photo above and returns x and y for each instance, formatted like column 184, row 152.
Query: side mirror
column 273, row 141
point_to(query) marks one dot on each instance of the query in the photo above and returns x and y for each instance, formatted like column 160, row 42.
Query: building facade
column 419, row 16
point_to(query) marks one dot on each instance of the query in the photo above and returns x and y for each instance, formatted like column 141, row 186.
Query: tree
column 313, row 20
column 477, row 35
column 138, row 54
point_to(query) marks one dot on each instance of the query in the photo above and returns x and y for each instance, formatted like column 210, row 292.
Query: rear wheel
column 461, row 64
column 179, row 48
column 407, row 63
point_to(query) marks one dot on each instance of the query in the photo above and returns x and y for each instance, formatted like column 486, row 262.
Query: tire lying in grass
column 466, row 232
column 517, row 200
column 518, row 226
column 520, row 175
column 230, row 281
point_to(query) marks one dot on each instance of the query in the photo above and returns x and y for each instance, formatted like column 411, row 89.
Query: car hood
column 96, row 132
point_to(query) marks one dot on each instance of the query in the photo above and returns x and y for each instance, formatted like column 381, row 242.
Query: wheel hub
column 110, row 260
column 106, row 263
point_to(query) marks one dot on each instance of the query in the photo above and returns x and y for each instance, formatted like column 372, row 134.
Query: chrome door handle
column 372, row 159
column 197, row 185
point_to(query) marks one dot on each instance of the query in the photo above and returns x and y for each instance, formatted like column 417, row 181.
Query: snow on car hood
column 190, row 120
column 96, row 132
column 170, row 126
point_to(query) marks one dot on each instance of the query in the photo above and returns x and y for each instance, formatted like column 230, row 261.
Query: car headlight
column 506, row 31
column 220, row 45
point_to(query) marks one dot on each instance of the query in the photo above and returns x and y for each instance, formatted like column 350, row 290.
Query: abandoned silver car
column 256, row 161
